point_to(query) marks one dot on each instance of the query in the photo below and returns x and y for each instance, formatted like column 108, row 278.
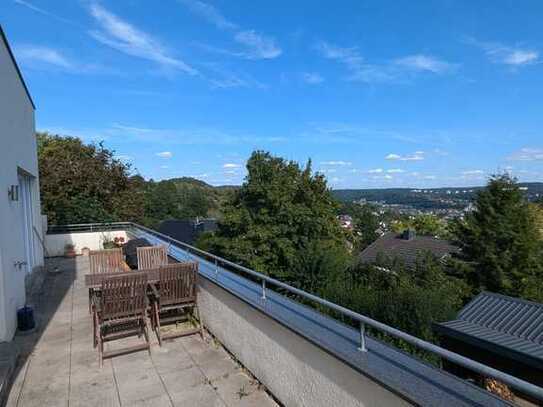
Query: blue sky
column 376, row 93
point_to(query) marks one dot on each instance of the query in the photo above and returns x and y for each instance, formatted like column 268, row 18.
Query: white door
column 25, row 200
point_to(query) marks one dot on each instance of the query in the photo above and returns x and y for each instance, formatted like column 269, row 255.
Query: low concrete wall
column 54, row 243
column 297, row 372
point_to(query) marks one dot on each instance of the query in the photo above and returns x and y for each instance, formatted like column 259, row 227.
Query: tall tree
column 83, row 183
column 280, row 215
column 501, row 240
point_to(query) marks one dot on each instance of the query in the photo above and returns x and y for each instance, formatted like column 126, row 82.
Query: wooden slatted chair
column 176, row 294
column 121, row 312
column 104, row 261
column 151, row 257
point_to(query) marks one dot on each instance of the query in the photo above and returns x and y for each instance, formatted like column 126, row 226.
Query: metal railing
column 266, row 281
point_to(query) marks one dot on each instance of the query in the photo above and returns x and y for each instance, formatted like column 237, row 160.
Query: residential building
column 188, row 230
column 499, row 331
column 20, row 220
column 406, row 246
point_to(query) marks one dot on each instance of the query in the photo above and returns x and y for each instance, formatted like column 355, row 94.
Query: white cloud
column 32, row 54
column 416, row 156
column 471, row 173
column 209, row 13
column 354, row 62
column 376, row 171
column 395, row 171
column 527, row 154
column 165, row 154
column 508, row 55
column 186, row 136
column 164, row 167
column 124, row 157
column 388, row 71
column 387, row 176
column 312, row 78
column 259, row 46
column 123, row 37
column 425, row 63
column 231, row 165
column 521, row 57
column 43, row 11
column 337, row 163
column 328, row 170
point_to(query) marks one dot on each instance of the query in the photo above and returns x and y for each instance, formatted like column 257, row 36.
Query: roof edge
column 10, row 52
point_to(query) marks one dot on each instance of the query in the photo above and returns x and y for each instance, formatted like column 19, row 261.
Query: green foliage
column 180, row 198
column 365, row 224
column 425, row 225
column 501, row 240
column 82, row 183
column 410, row 300
column 278, row 219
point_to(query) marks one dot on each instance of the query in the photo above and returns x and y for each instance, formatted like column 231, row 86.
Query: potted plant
column 119, row 241
column 108, row 243
column 69, row 250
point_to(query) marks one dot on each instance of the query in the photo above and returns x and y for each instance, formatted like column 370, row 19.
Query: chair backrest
column 123, row 296
column 151, row 257
column 178, row 283
column 106, row 261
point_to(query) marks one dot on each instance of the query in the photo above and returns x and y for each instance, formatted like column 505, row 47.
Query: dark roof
column 506, row 325
column 4, row 38
column 187, row 231
column 395, row 245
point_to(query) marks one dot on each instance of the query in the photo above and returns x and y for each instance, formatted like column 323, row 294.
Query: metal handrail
column 519, row 384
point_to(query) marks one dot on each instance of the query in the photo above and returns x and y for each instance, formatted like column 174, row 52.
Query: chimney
column 408, row 234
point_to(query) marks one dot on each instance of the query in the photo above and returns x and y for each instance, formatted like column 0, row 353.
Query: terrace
column 263, row 346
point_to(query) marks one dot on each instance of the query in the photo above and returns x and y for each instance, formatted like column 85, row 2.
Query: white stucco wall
column 297, row 372
column 92, row 240
column 17, row 153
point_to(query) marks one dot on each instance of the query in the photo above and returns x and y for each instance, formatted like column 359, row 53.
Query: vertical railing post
column 362, row 347
column 263, row 289
column 216, row 267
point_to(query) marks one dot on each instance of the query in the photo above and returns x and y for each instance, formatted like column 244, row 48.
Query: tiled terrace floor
column 59, row 366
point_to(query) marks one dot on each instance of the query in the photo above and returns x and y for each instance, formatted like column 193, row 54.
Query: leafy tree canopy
column 280, row 217
column 502, row 241
column 83, row 183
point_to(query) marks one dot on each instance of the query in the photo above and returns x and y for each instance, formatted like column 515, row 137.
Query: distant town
column 445, row 203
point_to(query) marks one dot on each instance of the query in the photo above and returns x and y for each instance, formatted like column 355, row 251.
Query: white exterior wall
column 55, row 243
column 297, row 372
column 17, row 155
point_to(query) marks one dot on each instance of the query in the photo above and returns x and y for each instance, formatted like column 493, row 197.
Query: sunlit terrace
column 260, row 346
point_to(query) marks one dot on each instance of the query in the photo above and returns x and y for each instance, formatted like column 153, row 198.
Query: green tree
column 281, row 215
column 83, row 183
column 501, row 241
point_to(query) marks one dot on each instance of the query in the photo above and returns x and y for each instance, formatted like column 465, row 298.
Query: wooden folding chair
column 151, row 257
column 104, row 261
column 176, row 292
column 121, row 312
